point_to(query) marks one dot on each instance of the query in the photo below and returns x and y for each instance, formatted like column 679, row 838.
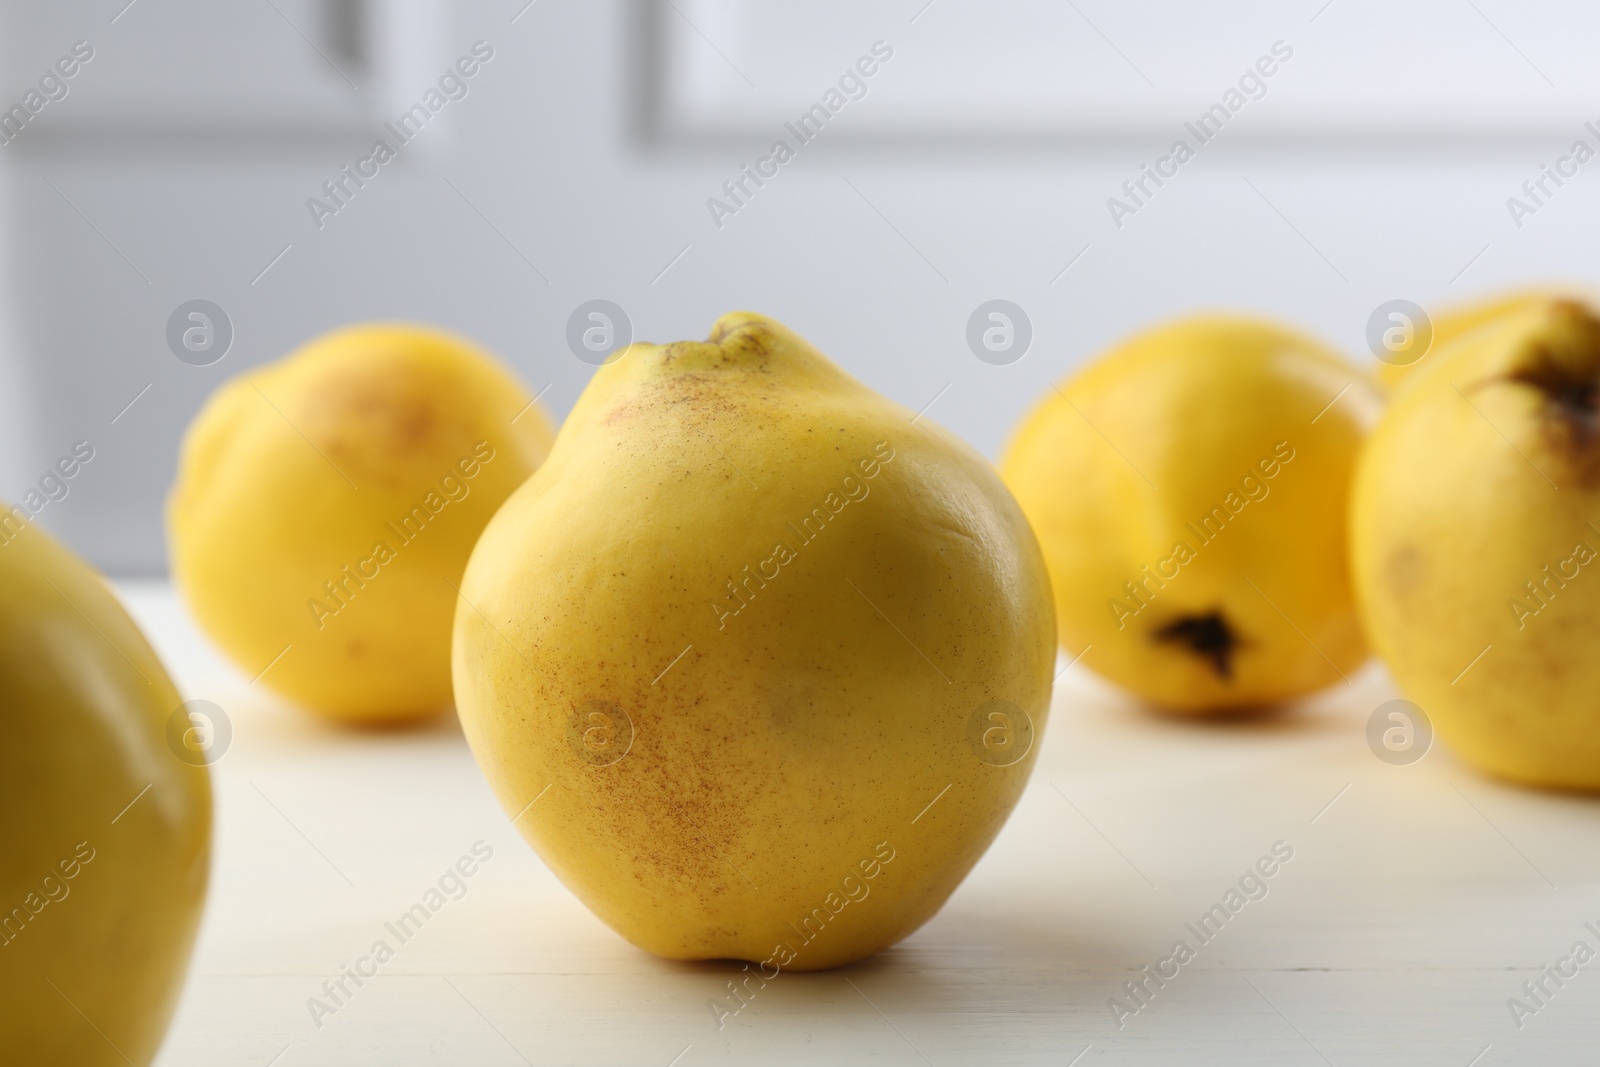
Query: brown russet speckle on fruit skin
column 371, row 423
column 290, row 478
column 399, row 414
column 1405, row 571
column 411, row 420
column 772, row 757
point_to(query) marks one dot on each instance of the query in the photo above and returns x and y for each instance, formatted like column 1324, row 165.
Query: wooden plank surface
column 1418, row 900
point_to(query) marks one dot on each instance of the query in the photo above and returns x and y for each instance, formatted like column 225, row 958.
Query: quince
column 757, row 661
column 326, row 505
column 107, row 844
column 1474, row 542
column 1189, row 490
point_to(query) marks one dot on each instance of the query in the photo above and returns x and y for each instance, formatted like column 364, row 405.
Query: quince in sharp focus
column 1475, row 538
column 326, row 505
column 1189, row 491
column 107, row 841
column 772, row 657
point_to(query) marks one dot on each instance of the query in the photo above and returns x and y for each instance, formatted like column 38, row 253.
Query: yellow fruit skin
column 794, row 744
column 1453, row 323
column 1453, row 514
column 294, row 471
column 1114, row 467
column 85, row 713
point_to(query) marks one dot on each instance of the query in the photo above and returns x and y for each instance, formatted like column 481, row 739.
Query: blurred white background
column 1376, row 164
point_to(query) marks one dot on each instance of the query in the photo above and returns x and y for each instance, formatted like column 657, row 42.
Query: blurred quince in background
column 326, row 504
column 1189, row 490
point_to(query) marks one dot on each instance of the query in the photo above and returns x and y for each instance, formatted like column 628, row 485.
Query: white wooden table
column 1418, row 901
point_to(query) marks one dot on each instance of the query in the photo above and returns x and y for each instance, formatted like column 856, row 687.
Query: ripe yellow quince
column 1474, row 543
column 1189, row 491
column 107, row 841
column 758, row 661
column 1457, row 321
column 326, row 505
